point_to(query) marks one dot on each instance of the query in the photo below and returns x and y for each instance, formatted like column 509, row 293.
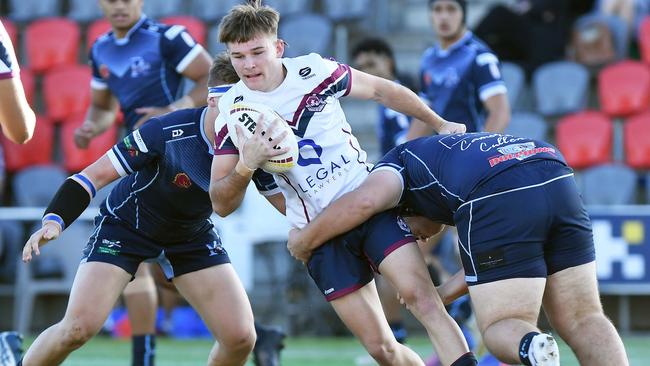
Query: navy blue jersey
column 455, row 82
column 440, row 172
column 392, row 128
column 144, row 68
column 167, row 167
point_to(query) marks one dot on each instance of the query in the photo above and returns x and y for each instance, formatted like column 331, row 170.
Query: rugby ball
column 246, row 115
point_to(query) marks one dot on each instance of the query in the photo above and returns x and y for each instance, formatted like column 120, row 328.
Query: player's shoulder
column 233, row 95
column 177, row 124
column 308, row 66
column 428, row 55
column 477, row 46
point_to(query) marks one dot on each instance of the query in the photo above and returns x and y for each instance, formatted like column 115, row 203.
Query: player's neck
column 447, row 42
column 277, row 81
column 122, row 32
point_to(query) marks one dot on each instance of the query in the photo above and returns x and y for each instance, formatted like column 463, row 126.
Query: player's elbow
column 221, row 209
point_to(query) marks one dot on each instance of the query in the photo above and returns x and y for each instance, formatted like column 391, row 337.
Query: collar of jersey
column 444, row 53
column 127, row 38
column 202, row 127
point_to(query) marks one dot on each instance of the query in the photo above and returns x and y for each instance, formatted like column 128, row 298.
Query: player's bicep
column 198, row 67
column 102, row 172
column 363, row 85
column 382, row 189
column 103, row 99
column 488, row 76
column 222, row 166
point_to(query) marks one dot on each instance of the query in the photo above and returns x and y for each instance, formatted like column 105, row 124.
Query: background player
column 516, row 257
column 460, row 77
column 305, row 91
column 170, row 177
column 139, row 66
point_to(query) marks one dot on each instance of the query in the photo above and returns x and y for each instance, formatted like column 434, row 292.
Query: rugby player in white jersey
column 305, row 92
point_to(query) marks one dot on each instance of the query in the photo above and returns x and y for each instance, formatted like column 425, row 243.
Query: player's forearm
column 196, row 97
column 100, row 118
column 497, row 121
column 453, row 288
column 16, row 116
column 402, row 99
column 228, row 193
column 349, row 211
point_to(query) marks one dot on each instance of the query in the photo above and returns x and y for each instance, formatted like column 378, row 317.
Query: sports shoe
column 268, row 346
column 543, row 351
column 10, row 348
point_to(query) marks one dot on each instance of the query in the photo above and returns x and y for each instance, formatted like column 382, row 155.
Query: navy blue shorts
column 348, row 262
column 528, row 221
column 115, row 243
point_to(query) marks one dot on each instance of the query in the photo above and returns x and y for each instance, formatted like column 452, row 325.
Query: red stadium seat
column 75, row 159
column 66, row 91
column 51, row 42
column 585, row 138
column 96, row 29
column 194, row 26
column 10, row 27
column 37, row 151
column 27, row 79
column 637, row 141
column 624, row 88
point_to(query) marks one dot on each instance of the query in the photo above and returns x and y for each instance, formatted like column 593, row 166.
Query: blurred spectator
column 531, row 32
column 460, row 76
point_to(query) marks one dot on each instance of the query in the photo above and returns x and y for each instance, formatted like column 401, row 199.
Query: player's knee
column 418, row 299
column 76, row 333
column 382, row 351
column 572, row 326
column 241, row 340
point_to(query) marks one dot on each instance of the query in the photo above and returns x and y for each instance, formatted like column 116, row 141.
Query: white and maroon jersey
column 331, row 162
column 8, row 63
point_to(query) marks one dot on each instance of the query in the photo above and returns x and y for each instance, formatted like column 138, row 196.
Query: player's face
column 421, row 227
column 257, row 62
column 447, row 19
column 122, row 14
column 374, row 64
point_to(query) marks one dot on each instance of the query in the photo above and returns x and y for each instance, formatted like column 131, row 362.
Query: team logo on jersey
column 402, row 224
column 104, row 72
column 238, row 99
column 133, row 152
column 182, row 180
column 518, row 151
column 305, row 73
column 215, row 248
column 315, row 103
column 139, row 66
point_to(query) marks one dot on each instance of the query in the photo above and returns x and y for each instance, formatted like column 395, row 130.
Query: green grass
column 299, row 352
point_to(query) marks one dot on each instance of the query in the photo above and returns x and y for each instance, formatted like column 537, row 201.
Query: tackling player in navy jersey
column 524, row 236
column 139, row 66
column 161, row 209
column 460, row 77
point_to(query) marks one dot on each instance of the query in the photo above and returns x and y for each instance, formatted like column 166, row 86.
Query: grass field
column 299, row 352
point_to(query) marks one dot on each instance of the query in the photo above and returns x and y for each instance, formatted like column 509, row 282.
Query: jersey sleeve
column 265, row 183
column 487, row 76
column 97, row 81
column 8, row 63
column 178, row 48
column 223, row 144
column 338, row 78
column 392, row 162
column 138, row 149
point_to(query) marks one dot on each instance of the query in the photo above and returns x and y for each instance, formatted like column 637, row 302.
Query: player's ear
column 280, row 44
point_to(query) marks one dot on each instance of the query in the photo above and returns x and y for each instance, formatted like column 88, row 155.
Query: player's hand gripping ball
column 246, row 116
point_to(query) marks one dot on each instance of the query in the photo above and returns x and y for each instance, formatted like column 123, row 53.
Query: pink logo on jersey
column 315, row 103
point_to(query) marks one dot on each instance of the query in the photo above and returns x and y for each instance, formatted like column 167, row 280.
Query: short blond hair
column 222, row 72
column 245, row 22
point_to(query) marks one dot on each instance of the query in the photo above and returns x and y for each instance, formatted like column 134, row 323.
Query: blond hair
column 222, row 71
column 245, row 22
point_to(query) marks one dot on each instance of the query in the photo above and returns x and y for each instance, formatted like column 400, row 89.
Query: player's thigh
column 219, row 297
column 519, row 298
column 95, row 290
column 571, row 295
column 362, row 313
